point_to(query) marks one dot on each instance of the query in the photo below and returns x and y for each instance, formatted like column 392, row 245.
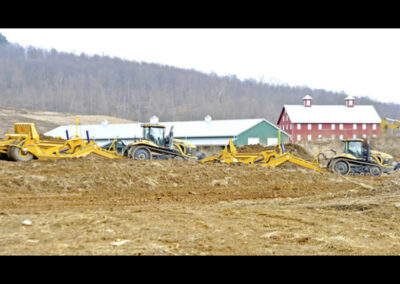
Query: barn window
column 333, row 126
column 354, row 136
column 298, row 137
column 309, row 126
column 354, row 126
column 341, row 137
column 374, row 126
column 320, row 136
column 309, row 137
column 320, row 126
column 341, row 126
column 298, row 126
column 364, row 136
column 364, row 126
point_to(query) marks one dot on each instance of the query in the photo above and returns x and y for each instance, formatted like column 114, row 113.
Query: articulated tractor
column 154, row 145
column 357, row 158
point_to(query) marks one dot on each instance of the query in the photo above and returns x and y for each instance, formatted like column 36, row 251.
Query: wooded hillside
column 37, row 79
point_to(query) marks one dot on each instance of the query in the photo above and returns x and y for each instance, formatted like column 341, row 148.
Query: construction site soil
column 97, row 206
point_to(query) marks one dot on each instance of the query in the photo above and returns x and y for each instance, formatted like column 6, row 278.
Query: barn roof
column 201, row 128
column 99, row 131
column 332, row 114
column 213, row 128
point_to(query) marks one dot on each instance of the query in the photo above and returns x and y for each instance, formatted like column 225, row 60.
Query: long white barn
column 201, row 133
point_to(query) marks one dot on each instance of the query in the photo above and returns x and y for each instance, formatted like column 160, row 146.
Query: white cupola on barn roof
column 307, row 101
column 154, row 119
column 349, row 101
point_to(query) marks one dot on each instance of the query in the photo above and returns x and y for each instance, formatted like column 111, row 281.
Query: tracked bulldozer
column 358, row 159
column 155, row 145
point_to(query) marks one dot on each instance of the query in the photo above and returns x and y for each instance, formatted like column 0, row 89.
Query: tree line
column 37, row 79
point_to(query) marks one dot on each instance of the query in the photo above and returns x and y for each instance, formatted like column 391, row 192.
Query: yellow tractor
column 25, row 145
column 155, row 145
column 268, row 158
column 357, row 158
column 389, row 123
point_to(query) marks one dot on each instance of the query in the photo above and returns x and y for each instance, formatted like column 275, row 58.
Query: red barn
column 319, row 122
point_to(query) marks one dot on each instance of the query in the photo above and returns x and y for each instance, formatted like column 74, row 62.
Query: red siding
column 326, row 131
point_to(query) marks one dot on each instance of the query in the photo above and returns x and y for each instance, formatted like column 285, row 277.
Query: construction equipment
column 25, row 145
column 357, row 158
column 154, row 145
column 268, row 158
column 389, row 123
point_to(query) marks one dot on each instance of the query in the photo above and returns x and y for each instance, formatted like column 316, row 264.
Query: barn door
column 253, row 140
column 272, row 141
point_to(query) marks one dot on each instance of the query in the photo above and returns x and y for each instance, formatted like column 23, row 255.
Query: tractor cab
column 354, row 147
column 154, row 133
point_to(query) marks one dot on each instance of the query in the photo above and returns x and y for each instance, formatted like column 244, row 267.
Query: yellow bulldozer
column 357, row 158
column 25, row 145
column 155, row 145
column 389, row 123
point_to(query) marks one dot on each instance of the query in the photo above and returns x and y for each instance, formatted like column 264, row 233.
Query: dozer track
column 345, row 166
column 163, row 153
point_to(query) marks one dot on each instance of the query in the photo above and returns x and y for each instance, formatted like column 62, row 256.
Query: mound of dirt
column 294, row 149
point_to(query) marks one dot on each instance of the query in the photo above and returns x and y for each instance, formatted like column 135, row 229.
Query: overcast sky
column 360, row 62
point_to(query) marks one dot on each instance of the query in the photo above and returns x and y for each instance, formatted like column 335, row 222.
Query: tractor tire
column 200, row 156
column 330, row 166
column 15, row 153
column 375, row 171
column 341, row 167
column 141, row 153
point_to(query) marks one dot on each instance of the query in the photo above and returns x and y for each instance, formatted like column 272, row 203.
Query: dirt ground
column 96, row 206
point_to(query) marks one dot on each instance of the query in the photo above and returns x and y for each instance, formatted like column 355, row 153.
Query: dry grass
column 45, row 120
